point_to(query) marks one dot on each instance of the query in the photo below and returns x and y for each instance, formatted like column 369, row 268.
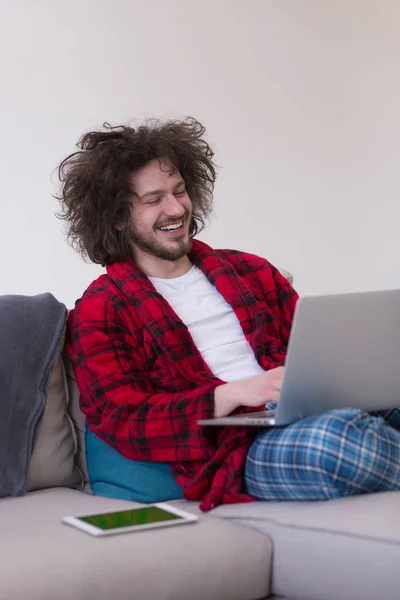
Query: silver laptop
column 344, row 351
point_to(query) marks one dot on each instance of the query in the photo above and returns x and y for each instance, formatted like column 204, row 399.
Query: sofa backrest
column 53, row 460
column 77, row 417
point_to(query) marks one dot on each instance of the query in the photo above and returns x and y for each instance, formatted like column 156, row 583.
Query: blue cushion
column 114, row 476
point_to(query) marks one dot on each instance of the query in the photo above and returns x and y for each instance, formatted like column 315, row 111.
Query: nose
column 172, row 206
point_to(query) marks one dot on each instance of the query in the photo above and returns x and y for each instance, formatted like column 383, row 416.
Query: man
column 175, row 332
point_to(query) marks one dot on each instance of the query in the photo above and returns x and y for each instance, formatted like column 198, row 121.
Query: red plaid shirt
column 143, row 383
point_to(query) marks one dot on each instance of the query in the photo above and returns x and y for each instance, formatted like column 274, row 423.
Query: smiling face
column 161, row 213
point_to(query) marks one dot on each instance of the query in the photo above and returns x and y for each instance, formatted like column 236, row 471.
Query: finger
column 276, row 384
column 273, row 396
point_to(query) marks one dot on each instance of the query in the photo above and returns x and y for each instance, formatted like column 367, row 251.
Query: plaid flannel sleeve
column 117, row 396
column 278, row 294
column 274, row 288
column 285, row 302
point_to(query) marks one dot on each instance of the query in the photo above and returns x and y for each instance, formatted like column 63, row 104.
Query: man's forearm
column 226, row 399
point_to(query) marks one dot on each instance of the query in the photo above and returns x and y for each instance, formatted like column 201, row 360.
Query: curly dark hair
column 95, row 193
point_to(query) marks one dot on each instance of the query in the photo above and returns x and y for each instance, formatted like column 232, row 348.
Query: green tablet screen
column 129, row 518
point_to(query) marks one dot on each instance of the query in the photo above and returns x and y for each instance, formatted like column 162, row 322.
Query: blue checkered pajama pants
column 342, row 452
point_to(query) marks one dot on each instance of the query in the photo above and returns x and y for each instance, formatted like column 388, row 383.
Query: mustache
column 172, row 221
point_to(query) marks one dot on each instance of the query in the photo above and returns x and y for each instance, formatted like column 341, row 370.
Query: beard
column 152, row 246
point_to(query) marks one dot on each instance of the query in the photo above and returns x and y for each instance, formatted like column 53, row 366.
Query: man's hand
column 255, row 392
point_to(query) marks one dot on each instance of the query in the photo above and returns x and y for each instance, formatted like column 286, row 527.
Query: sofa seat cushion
column 44, row 559
column 345, row 549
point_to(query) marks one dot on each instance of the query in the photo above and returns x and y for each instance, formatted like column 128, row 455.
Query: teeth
column 172, row 227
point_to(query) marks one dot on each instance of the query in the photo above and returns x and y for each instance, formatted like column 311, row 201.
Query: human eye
column 180, row 192
column 153, row 201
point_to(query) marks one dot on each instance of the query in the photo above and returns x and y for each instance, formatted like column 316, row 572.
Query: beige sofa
column 340, row 550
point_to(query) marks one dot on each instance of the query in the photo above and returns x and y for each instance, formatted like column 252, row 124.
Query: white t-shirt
column 212, row 323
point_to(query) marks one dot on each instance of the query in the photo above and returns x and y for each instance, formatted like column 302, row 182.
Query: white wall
column 301, row 101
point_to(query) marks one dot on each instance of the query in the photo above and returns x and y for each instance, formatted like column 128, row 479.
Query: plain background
column 301, row 102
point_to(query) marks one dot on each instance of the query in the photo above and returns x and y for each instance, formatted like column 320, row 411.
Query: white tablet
column 131, row 519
